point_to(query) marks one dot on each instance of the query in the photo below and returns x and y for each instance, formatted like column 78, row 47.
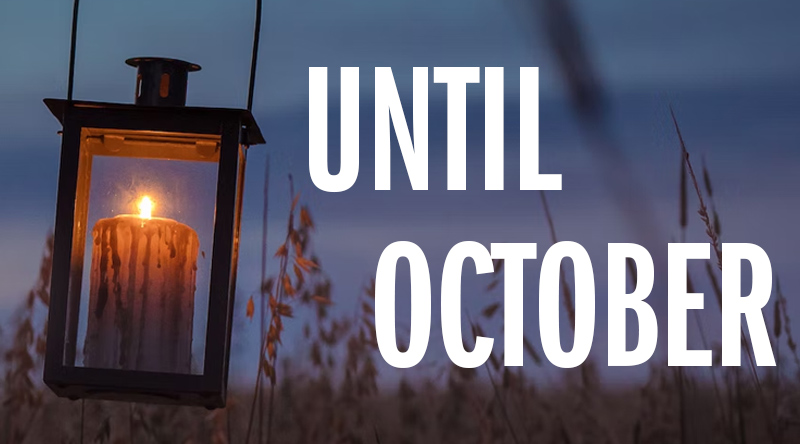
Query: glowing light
column 145, row 208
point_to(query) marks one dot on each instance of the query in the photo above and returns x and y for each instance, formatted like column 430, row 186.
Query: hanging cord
column 73, row 42
column 254, row 59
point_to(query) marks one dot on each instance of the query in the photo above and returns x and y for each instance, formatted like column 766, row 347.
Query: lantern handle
column 253, row 60
column 73, row 41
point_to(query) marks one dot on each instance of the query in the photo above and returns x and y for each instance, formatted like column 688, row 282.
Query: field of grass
column 332, row 395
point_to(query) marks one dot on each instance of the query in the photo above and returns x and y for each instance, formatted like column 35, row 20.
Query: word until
column 388, row 109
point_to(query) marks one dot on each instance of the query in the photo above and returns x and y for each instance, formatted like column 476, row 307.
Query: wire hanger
column 253, row 60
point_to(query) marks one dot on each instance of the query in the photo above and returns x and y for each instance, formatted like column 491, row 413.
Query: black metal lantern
column 146, row 243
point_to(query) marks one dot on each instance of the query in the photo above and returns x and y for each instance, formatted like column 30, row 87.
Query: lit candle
column 141, row 301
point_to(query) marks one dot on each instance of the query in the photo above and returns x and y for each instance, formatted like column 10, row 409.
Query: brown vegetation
column 333, row 396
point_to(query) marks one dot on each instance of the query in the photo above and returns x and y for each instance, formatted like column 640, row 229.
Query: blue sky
column 729, row 68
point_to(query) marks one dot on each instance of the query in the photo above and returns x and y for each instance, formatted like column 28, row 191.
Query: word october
column 389, row 110
column 619, row 301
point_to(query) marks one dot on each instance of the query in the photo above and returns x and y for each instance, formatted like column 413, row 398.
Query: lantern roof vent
column 161, row 81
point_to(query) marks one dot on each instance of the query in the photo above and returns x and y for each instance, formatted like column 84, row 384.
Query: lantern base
column 139, row 387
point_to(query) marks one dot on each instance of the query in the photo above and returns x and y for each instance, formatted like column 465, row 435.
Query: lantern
column 146, row 243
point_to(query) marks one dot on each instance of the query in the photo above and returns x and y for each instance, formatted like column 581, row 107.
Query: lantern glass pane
column 141, row 254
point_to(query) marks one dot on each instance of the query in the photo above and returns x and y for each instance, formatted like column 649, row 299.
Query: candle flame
column 145, row 208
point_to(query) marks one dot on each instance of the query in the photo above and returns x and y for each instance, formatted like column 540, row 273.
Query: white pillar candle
column 141, row 302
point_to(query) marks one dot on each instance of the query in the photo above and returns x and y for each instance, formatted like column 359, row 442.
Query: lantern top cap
column 176, row 63
column 161, row 81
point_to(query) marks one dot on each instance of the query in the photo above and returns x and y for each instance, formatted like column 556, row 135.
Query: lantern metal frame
column 237, row 131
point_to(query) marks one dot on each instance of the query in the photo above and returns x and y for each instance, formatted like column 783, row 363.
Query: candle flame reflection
column 145, row 207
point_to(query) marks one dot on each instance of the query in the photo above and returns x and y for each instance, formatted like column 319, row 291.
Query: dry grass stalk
column 565, row 288
column 782, row 320
column 703, row 211
column 23, row 396
column 291, row 252
column 712, row 203
column 477, row 331
column 683, row 201
column 588, row 374
column 263, row 305
column 713, row 234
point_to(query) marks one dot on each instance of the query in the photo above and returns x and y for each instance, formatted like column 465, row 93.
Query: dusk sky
column 728, row 67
